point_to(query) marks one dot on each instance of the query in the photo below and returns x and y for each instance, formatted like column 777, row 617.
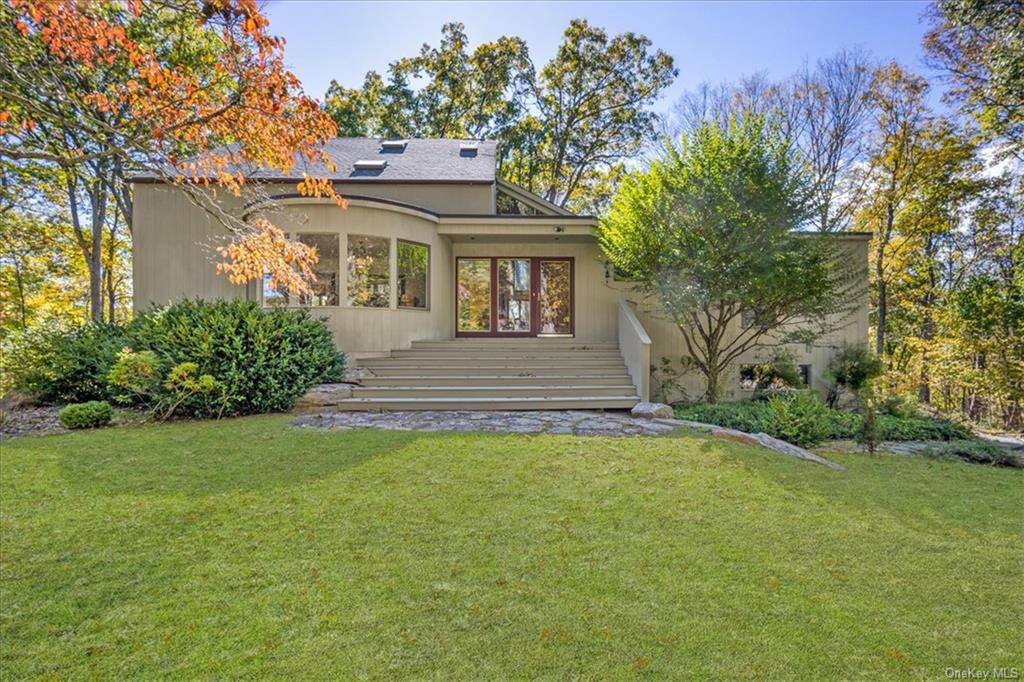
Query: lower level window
column 805, row 374
column 413, row 274
column 325, row 284
column 369, row 271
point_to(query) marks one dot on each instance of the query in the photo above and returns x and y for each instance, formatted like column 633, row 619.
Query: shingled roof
column 421, row 160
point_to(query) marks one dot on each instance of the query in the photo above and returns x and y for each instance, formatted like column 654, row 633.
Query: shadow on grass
column 208, row 458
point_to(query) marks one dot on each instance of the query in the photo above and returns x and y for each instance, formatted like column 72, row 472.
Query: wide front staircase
column 495, row 374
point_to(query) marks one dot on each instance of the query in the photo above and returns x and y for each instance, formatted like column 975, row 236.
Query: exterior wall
column 173, row 252
column 365, row 331
column 174, row 259
column 667, row 341
column 597, row 302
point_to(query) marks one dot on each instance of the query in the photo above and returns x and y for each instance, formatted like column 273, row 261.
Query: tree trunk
column 882, row 308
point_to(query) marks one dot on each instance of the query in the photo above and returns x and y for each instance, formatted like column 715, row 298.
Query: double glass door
column 514, row 296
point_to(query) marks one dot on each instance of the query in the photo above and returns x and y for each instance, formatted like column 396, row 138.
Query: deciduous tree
column 710, row 230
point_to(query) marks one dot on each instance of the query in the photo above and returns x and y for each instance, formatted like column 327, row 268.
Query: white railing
column 635, row 346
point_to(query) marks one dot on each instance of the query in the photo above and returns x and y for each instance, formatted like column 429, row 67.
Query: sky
column 710, row 41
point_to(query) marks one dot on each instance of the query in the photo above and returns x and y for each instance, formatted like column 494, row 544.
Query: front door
column 510, row 296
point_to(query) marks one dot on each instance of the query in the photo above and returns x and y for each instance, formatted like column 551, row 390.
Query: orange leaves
column 266, row 251
column 235, row 112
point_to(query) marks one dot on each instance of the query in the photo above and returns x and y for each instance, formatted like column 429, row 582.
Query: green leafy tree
column 979, row 44
column 710, row 230
column 564, row 131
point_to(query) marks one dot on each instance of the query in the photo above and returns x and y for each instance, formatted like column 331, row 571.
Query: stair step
column 515, row 343
column 564, row 403
column 510, row 362
column 488, row 392
column 554, row 378
column 517, row 353
column 491, row 370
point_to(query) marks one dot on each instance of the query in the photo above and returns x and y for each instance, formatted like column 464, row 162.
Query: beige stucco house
column 450, row 287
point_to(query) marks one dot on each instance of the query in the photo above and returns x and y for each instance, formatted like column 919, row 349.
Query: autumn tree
column 979, row 45
column 896, row 149
column 193, row 93
column 711, row 232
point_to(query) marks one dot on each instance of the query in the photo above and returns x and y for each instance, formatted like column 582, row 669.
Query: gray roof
column 422, row 160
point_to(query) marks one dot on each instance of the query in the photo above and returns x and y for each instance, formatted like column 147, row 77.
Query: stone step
column 550, row 378
column 489, row 392
column 459, row 347
column 564, row 403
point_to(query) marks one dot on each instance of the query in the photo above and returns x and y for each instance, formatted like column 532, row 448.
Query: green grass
column 248, row 548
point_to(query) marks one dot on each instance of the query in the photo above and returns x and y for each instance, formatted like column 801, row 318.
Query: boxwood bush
column 264, row 360
column 755, row 416
column 86, row 415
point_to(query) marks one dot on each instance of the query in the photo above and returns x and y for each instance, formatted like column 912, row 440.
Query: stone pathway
column 572, row 422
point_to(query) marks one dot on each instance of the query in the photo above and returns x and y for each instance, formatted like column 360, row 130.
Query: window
column 369, row 271
column 413, row 275
column 325, row 272
column 805, row 374
column 273, row 296
column 748, row 377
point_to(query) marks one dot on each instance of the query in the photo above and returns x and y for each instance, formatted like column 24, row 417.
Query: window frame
column 337, row 275
column 392, row 261
column 398, row 276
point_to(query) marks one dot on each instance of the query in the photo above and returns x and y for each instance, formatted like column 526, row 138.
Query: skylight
column 468, row 148
column 371, row 164
column 393, row 145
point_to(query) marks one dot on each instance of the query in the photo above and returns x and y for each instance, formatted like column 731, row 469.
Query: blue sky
column 710, row 41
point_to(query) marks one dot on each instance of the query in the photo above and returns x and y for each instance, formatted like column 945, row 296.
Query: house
column 449, row 287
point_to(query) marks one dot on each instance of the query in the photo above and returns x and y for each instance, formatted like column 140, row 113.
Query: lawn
column 248, row 548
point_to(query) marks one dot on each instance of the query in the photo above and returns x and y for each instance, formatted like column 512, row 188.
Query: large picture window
column 326, row 271
column 369, row 271
column 413, row 274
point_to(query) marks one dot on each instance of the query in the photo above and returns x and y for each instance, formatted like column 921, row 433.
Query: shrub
column 747, row 416
column 263, row 359
column 975, row 451
column 70, row 366
column 801, row 420
column 86, row 415
column 781, row 371
column 198, row 393
column 869, row 434
column 851, row 369
column 758, row 416
column 920, row 428
column 135, row 377
column 899, row 406
column 258, row 361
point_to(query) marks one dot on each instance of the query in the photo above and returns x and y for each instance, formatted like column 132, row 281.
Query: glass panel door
column 514, row 295
column 473, row 294
column 555, row 297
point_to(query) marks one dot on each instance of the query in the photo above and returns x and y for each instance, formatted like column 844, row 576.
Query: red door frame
column 535, row 262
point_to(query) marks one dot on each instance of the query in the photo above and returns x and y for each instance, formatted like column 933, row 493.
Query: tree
column 592, row 99
column 891, row 176
column 564, row 131
column 193, row 93
column 463, row 94
column 711, row 231
column 980, row 46
column 822, row 109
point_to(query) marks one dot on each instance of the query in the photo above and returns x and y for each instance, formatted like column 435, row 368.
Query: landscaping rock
column 652, row 410
column 320, row 397
column 762, row 439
